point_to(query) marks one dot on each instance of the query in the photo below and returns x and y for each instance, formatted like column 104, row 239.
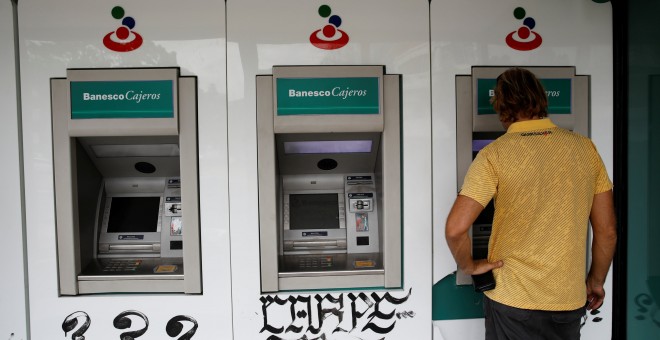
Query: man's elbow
column 606, row 234
column 611, row 235
column 453, row 234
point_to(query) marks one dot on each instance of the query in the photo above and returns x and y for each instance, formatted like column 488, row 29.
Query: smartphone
column 483, row 282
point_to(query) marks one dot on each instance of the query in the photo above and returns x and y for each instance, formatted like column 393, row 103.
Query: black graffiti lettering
column 379, row 315
column 71, row 321
column 324, row 313
column 302, row 314
column 304, row 337
column 397, row 301
column 122, row 321
column 371, row 308
column 405, row 315
column 267, row 301
column 354, row 312
column 175, row 326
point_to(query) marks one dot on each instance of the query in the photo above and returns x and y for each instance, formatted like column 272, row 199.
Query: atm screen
column 479, row 144
column 331, row 146
column 134, row 214
column 313, row 211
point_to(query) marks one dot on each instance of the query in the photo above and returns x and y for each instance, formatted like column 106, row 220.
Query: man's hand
column 595, row 293
column 482, row 266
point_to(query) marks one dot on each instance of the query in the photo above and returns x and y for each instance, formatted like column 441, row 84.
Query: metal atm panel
column 126, row 188
column 334, row 163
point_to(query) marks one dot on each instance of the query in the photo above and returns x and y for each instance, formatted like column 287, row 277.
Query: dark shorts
column 510, row 323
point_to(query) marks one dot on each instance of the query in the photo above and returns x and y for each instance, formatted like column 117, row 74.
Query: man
column 547, row 183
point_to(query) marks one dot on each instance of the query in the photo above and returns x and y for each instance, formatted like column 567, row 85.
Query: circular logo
column 330, row 37
column 524, row 39
column 515, row 41
column 123, row 39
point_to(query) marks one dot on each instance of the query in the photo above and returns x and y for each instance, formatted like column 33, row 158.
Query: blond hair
column 519, row 95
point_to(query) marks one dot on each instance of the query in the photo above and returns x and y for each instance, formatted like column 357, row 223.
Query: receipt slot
column 477, row 125
column 329, row 156
column 126, row 183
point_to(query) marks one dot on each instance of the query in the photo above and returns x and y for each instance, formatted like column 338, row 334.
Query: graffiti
column 405, row 315
column 593, row 312
column 173, row 328
column 122, row 321
column 71, row 321
column 647, row 309
column 317, row 317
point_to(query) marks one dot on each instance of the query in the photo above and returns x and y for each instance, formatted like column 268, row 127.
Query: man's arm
column 464, row 212
column 603, row 223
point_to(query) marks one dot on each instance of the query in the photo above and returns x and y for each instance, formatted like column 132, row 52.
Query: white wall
column 12, row 286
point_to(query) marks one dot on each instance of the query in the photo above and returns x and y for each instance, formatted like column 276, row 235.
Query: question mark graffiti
column 71, row 321
column 175, row 326
column 122, row 321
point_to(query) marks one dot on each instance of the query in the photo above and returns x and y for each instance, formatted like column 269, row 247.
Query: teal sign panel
column 122, row 99
column 452, row 302
column 557, row 90
column 327, row 96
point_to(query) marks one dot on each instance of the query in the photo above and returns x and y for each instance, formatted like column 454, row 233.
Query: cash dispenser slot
column 315, row 245
column 105, row 248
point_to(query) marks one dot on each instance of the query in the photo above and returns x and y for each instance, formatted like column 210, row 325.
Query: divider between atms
column 126, row 181
column 477, row 125
column 329, row 155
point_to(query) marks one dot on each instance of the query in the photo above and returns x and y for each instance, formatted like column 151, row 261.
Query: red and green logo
column 123, row 39
column 524, row 39
column 330, row 37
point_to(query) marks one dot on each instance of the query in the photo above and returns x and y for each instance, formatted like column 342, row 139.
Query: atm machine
column 477, row 125
column 329, row 156
column 126, row 181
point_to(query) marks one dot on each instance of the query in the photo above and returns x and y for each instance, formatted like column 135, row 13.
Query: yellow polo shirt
column 543, row 179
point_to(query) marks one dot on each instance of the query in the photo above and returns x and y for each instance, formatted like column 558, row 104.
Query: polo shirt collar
column 530, row 125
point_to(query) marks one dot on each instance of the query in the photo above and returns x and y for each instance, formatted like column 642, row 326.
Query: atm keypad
column 122, row 265
column 315, row 262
